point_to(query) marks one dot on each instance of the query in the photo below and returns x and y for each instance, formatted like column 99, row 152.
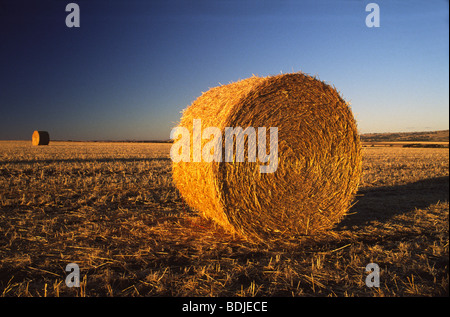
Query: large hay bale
column 319, row 158
column 40, row 138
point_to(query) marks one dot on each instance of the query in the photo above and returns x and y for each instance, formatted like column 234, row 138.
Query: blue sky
column 132, row 66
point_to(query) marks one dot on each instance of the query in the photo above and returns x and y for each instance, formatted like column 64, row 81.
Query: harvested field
column 113, row 209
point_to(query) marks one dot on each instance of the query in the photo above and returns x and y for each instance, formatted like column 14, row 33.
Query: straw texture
column 319, row 158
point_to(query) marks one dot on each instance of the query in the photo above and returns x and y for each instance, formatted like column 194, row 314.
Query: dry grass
column 112, row 208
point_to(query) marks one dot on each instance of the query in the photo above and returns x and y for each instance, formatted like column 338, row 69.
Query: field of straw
column 112, row 208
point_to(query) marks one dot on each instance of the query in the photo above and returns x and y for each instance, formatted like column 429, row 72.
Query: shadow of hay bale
column 382, row 203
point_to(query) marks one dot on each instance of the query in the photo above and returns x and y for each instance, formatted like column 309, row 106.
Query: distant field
column 436, row 139
column 431, row 136
column 423, row 144
column 112, row 208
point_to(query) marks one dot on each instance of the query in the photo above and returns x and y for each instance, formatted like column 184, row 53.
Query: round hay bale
column 40, row 138
column 319, row 158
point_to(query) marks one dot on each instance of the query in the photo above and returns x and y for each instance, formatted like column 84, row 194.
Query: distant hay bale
column 319, row 158
column 40, row 138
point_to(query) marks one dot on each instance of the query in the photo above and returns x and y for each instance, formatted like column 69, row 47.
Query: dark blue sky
column 132, row 66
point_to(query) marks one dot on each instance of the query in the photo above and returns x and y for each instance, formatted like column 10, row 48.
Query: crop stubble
column 112, row 208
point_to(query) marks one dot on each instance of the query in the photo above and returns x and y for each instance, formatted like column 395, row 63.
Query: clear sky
column 132, row 66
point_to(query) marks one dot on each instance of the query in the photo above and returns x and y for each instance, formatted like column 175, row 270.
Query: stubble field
column 112, row 208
